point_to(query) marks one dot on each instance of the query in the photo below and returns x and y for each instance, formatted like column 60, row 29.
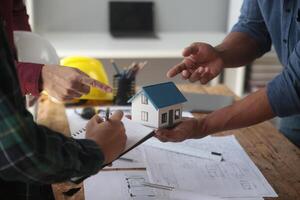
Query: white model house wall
column 138, row 107
column 166, row 110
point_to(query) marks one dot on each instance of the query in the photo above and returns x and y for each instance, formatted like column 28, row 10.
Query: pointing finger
column 94, row 83
column 177, row 69
column 185, row 74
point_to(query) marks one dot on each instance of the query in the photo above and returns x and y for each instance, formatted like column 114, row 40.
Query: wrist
column 41, row 82
column 221, row 52
column 44, row 76
column 200, row 129
column 207, row 126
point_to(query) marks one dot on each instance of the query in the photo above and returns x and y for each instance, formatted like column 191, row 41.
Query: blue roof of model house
column 162, row 95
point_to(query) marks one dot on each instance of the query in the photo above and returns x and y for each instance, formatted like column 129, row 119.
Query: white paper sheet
column 128, row 185
column 118, row 185
column 253, row 198
column 237, row 176
column 184, row 149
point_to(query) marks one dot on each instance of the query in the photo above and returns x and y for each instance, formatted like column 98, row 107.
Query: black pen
column 126, row 159
column 216, row 153
column 115, row 66
column 107, row 112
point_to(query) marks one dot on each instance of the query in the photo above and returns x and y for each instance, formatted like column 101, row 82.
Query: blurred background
column 76, row 27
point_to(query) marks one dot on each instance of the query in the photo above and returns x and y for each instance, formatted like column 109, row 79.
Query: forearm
column 238, row 49
column 249, row 111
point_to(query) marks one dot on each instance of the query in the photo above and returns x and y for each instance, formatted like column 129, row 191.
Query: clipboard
column 133, row 131
column 78, row 180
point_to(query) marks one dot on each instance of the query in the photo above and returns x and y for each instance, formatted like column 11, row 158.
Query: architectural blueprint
column 236, row 176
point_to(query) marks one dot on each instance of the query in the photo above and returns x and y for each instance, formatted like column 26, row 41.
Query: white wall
column 92, row 15
column 234, row 78
column 234, row 12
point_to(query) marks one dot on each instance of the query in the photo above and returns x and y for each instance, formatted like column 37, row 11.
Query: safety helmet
column 93, row 68
column 33, row 48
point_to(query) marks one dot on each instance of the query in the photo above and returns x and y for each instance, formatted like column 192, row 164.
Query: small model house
column 157, row 105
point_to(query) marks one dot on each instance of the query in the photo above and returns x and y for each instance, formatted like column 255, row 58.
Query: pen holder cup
column 123, row 89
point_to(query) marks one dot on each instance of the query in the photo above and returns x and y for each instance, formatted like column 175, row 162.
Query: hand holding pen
column 109, row 135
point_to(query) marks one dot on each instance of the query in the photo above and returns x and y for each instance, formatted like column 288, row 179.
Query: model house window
column 164, row 118
column 144, row 99
column 144, row 116
column 177, row 114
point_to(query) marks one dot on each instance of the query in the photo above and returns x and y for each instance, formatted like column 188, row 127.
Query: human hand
column 109, row 135
column 66, row 83
column 189, row 128
column 201, row 62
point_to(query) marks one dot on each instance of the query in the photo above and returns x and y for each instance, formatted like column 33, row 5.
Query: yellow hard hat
column 94, row 69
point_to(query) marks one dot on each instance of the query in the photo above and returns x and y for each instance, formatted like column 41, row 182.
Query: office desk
column 274, row 155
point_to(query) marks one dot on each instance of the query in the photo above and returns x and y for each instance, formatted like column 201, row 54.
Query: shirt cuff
column 96, row 161
column 264, row 43
column 30, row 77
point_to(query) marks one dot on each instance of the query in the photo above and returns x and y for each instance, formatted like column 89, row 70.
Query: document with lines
column 236, row 176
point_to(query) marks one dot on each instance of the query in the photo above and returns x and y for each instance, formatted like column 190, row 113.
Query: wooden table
column 274, row 155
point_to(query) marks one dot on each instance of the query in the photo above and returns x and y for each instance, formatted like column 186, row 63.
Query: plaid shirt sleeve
column 31, row 153
column 35, row 154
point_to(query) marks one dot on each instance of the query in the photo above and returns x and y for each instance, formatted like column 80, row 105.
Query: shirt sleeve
column 29, row 73
column 30, row 77
column 284, row 91
column 20, row 17
column 252, row 23
column 35, row 154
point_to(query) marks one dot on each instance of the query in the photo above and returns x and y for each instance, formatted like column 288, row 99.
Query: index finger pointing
column 94, row 83
column 177, row 69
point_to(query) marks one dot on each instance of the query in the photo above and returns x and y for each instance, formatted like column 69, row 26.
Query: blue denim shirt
column 277, row 22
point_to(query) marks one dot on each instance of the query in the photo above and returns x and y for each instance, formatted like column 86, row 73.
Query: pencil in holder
column 123, row 89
